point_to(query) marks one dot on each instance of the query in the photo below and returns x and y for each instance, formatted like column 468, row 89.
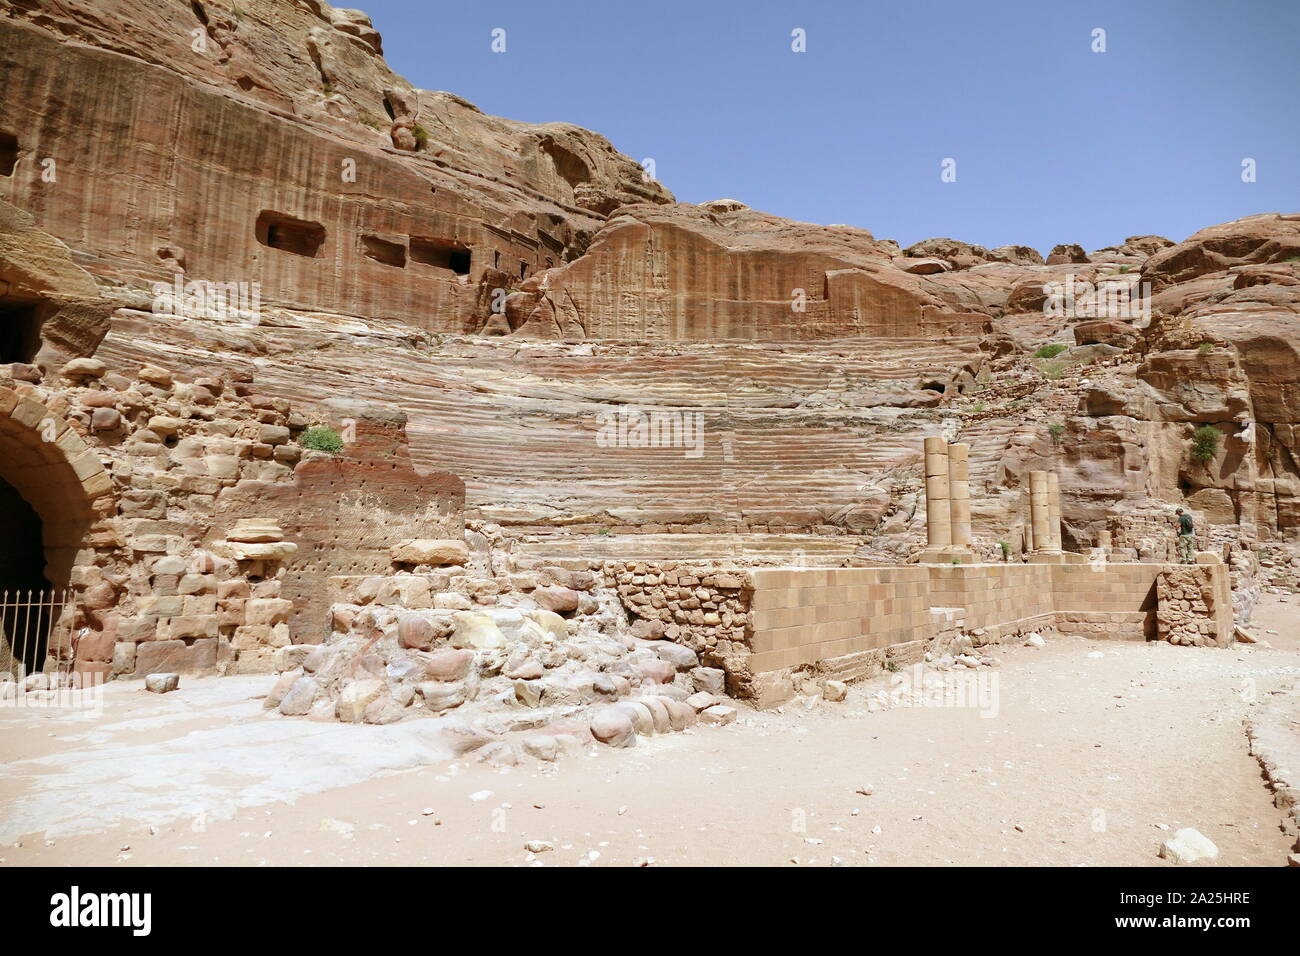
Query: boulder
column 162, row 683
column 83, row 368
column 1187, row 846
column 682, row 658
column 613, row 726
column 300, row 697
column 476, row 630
column 718, row 714
column 356, row 697
column 556, row 598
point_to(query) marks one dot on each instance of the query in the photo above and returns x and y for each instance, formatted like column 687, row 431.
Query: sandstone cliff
column 521, row 291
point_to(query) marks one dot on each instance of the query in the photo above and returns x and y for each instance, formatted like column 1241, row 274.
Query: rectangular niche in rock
column 441, row 254
column 382, row 250
column 281, row 231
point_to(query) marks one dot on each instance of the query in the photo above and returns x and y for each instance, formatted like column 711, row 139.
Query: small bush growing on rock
column 321, row 438
column 1057, row 429
column 1205, row 348
column 1050, row 351
column 1006, row 550
column 421, row 135
column 1052, row 370
column 1205, row 443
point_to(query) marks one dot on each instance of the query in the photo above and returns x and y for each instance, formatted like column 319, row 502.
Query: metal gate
column 36, row 634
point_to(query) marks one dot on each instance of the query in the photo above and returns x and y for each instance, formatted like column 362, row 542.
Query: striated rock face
column 275, row 146
column 613, row 375
column 673, row 273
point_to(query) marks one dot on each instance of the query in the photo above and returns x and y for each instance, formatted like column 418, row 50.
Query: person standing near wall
column 1186, row 538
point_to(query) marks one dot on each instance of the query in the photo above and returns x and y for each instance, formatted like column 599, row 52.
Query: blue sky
column 1053, row 142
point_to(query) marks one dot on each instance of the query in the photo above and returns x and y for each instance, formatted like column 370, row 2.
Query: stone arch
column 45, row 461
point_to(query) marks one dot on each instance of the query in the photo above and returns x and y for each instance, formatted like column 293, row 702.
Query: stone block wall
column 346, row 513
column 1149, row 535
column 993, row 594
column 1194, row 606
column 140, row 481
column 705, row 609
column 853, row 622
column 801, row 616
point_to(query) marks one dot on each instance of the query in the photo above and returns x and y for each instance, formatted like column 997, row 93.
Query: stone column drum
column 1028, row 514
column 1054, row 511
column 1038, row 510
column 938, row 523
column 959, row 493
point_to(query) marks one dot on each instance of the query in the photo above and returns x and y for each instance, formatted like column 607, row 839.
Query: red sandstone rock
column 814, row 356
column 554, row 598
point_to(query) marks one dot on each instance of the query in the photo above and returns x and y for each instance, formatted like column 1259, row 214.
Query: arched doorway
column 22, row 583
column 53, row 490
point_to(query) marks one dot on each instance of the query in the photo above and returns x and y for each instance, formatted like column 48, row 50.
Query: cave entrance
column 441, row 254
column 8, row 153
column 20, row 332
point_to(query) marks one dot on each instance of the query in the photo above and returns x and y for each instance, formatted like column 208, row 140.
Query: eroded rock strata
column 554, row 383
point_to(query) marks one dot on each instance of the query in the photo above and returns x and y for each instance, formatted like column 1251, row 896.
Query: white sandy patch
column 132, row 770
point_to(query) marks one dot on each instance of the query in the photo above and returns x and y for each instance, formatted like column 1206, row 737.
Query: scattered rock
column 718, row 714
column 541, row 746
column 614, row 726
column 555, row 598
column 162, row 683
column 1187, row 846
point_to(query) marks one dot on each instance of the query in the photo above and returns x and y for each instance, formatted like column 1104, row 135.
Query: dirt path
column 1084, row 761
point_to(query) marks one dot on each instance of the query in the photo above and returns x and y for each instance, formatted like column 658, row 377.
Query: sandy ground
column 1085, row 762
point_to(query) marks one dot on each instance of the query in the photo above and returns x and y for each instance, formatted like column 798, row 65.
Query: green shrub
column 1056, row 429
column 1205, row 443
column 1205, row 348
column 1050, row 351
column 421, row 135
column 1006, row 550
column 1053, row 370
column 321, row 438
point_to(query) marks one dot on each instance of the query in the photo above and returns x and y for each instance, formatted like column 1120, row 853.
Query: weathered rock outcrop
column 611, row 373
column 273, row 145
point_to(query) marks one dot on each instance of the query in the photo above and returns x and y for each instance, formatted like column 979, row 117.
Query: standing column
column 1054, row 511
column 959, row 493
column 1038, row 510
column 1103, row 539
column 938, row 522
column 1029, row 521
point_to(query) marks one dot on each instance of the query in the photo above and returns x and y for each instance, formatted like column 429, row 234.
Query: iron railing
column 36, row 634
